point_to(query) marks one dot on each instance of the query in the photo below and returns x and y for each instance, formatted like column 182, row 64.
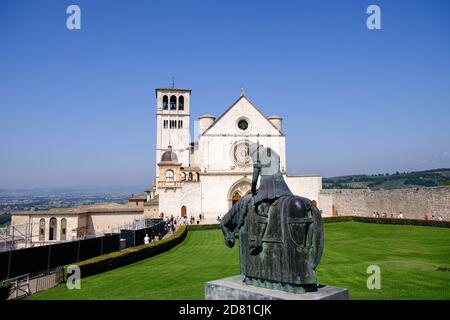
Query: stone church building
column 207, row 174
column 204, row 175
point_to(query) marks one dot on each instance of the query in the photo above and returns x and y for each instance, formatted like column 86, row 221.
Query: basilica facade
column 207, row 172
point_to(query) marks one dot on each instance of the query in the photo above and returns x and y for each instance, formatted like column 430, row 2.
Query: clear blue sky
column 78, row 107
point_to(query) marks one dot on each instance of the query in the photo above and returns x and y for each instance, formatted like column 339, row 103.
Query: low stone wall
column 414, row 203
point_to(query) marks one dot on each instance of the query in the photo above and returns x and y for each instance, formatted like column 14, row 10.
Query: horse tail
column 319, row 238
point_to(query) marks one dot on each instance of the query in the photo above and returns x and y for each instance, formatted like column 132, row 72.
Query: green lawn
column 408, row 257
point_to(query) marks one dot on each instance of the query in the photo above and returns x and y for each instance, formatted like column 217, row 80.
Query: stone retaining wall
column 414, row 203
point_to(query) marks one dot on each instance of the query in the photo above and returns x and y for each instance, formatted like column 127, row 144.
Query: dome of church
column 207, row 116
column 169, row 155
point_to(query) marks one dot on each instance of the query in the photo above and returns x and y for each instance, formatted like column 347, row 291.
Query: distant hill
column 398, row 180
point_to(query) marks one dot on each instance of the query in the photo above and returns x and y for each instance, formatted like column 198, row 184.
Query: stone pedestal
column 233, row 288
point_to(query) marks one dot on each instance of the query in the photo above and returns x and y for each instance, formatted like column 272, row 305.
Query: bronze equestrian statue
column 280, row 234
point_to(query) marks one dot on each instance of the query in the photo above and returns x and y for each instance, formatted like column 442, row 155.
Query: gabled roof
column 242, row 96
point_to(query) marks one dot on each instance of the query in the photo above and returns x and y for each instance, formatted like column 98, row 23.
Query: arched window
column 183, row 176
column 173, row 103
column 190, row 176
column 42, row 229
column 198, row 176
column 63, row 229
column 169, row 175
column 181, row 103
column 165, row 103
column 52, row 229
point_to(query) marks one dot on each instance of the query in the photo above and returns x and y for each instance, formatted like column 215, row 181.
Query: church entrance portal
column 183, row 211
column 239, row 189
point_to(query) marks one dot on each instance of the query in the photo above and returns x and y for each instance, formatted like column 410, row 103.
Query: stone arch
column 180, row 103
column 42, row 229
column 173, row 102
column 52, row 229
column 241, row 188
column 165, row 104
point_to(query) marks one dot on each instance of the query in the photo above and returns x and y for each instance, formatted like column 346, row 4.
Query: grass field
column 408, row 257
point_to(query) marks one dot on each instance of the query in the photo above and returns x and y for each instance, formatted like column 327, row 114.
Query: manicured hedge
column 337, row 219
column 130, row 255
column 411, row 222
column 198, row 227
column 5, row 286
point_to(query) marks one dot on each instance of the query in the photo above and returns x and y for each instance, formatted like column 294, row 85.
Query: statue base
column 233, row 288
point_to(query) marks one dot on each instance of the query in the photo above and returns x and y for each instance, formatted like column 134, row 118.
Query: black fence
column 136, row 237
column 42, row 259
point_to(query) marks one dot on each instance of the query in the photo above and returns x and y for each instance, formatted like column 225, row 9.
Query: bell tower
column 172, row 124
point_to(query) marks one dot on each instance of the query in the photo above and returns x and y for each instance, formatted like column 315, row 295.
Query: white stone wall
column 325, row 204
column 305, row 186
column 171, row 200
column 412, row 202
column 104, row 221
column 151, row 211
column 215, row 196
column 215, row 153
column 26, row 223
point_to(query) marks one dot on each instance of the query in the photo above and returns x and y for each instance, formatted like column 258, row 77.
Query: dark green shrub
column 337, row 219
column 198, row 227
column 130, row 255
column 5, row 287
column 411, row 222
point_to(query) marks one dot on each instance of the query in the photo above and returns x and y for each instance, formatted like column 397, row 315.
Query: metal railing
column 134, row 225
column 20, row 286
column 22, row 236
column 12, row 235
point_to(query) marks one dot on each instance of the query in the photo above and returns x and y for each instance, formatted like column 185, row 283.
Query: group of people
column 433, row 217
column 376, row 214
column 172, row 222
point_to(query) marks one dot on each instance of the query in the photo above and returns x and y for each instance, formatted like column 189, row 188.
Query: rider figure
column 266, row 164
